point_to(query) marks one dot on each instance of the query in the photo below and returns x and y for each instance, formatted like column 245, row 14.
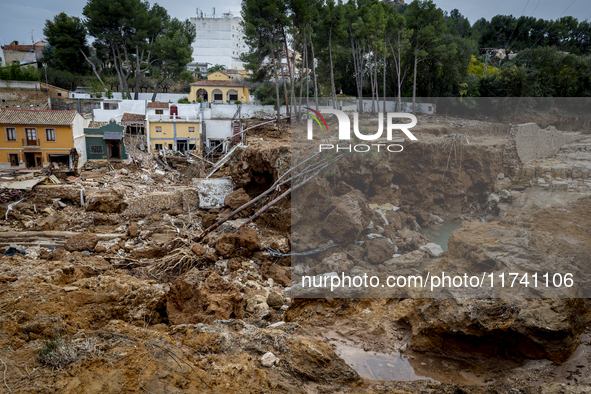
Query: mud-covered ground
column 117, row 297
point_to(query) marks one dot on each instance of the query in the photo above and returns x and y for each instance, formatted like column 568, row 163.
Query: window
column 159, row 129
column 59, row 95
column 191, row 129
column 233, row 97
column 111, row 106
column 158, row 146
column 96, row 149
column 13, row 157
column 170, row 146
column 11, row 134
column 159, row 112
column 31, row 136
column 214, row 143
column 218, row 96
column 50, row 135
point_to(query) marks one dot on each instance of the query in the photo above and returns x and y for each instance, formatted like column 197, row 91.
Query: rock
column 505, row 195
column 378, row 250
column 226, row 244
column 236, row 199
column 208, row 220
column 107, row 201
column 269, row 359
column 114, row 248
column 336, row 262
column 435, row 249
column 408, row 260
column 151, row 252
column 275, row 300
column 80, row 242
column 395, row 219
column 247, row 238
column 348, row 218
column 343, row 188
column 256, row 304
column 123, row 171
column 493, row 199
column 198, row 249
column 133, row 229
column 68, row 289
column 100, row 249
column 500, row 184
column 202, row 297
column 281, row 245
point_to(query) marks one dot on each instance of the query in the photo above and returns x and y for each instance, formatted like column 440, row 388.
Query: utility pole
column 47, row 86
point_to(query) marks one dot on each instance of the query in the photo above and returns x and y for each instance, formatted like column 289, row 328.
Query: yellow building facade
column 36, row 138
column 219, row 88
column 175, row 134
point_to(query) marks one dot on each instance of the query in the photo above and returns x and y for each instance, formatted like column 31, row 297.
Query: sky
column 22, row 20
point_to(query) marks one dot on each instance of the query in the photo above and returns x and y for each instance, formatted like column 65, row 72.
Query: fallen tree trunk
column 278, row 183
column 51, row 234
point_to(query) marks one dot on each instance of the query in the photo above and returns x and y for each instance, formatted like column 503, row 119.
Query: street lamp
column 47, row 85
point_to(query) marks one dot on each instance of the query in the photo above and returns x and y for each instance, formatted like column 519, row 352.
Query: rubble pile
column 162, row 275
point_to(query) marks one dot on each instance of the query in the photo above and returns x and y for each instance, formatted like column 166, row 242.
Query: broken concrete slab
column 212, row 192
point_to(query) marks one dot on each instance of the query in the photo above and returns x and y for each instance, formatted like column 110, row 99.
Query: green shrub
column 237, row 102
column 184, row 100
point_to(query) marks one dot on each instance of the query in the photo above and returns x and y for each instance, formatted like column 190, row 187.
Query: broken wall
column 532, row 142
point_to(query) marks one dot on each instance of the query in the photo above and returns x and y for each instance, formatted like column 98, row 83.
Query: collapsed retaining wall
column 532, row 142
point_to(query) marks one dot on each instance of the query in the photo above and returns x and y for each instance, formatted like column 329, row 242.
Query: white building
column 219, row 40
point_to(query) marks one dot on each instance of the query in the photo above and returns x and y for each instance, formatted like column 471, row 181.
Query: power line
column 546, row 31
column 511, row 36
column 523, row 27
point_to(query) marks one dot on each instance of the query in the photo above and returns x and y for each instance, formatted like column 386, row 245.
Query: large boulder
column 201, row 297
column 236, row 199
column 80, row 242
column 378, row 250
column 348, row 217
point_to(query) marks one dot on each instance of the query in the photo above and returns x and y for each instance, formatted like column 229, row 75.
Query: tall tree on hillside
column 67, row 37
column 426, row 21
column 264, row 22
column 129, row 28
column 376, row 29
column 331, row 31
column 398, row 40
column 172, row 50
column 358, row 37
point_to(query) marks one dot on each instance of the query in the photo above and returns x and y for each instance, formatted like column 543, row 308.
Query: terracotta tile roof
column 217, row 83
column 157, row 105
column 127, row 117
column 95, row 125
column 36, row 117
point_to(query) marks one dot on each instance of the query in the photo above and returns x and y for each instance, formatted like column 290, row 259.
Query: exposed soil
column 124, row 300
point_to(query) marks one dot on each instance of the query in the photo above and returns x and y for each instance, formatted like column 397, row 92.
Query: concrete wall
column 20, row 85
column 162, row 97
column 532, row 142
column 218, row 129
column 85, row 106
column 130, row 106
column 227, row 111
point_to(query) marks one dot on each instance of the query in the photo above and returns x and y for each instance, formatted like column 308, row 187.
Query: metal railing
column 30, row 143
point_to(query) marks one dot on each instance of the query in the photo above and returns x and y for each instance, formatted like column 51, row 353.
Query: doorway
column 114, row 150
column 33, row 159
column 182, row 146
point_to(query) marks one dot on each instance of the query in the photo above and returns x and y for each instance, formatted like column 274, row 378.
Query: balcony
column 30, row 144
